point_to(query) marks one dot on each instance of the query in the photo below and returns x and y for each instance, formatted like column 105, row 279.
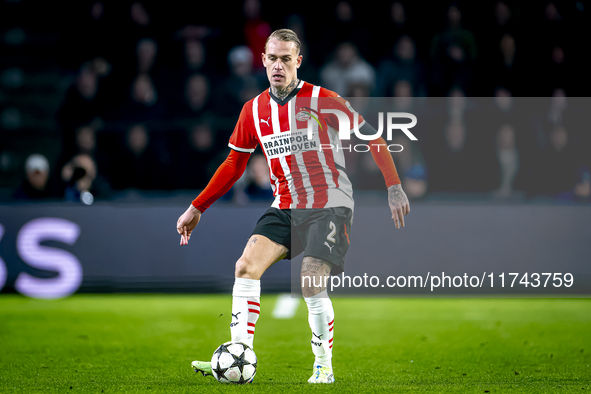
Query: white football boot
column 321, row 375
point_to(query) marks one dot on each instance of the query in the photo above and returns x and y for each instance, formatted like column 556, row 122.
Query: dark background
column 69, row 69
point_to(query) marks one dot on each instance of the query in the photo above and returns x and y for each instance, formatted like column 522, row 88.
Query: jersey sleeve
column 331, row 100
column 224, row 178
column 244, row 138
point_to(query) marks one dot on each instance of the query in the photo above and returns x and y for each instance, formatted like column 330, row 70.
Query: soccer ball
column 234, row 362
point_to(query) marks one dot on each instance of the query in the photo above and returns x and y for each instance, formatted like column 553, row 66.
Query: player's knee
column 244, row 268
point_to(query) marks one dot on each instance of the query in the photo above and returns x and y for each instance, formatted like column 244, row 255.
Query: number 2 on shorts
column 332, row 233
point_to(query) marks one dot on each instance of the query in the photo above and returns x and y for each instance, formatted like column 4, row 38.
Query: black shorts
column 321, row 233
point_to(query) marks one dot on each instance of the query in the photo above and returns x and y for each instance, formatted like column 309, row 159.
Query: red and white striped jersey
column 304, row 172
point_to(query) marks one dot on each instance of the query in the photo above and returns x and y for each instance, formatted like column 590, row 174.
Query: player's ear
column 299, row 61
column 263, row 58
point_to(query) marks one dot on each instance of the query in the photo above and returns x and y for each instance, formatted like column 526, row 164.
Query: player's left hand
column 399, row 205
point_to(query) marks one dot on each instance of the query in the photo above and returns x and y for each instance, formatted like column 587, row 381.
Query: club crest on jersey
column 303, row 116
column 306, row 113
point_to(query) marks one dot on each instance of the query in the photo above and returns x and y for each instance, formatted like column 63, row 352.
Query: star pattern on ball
column 237, row 364
column 218, row 370
column 239, row 361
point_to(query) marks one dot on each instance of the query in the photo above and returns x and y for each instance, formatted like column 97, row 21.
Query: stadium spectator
column 86, row 140
column 453, row 154
column 196, row 58
column 548, row 119
column 97, row 10
column 506, row 67
column 82, row 108
column 583, row 187
column 559, row 165
column 345, row 26
column 141, row 22
column 195, row 61
column 307, row 71
column 146, row 51
column 558, row 106
column 242, row 84
column 401, row 65
column 508, row 159
column 195, row 55
column 257, row 182
column 256, row 30
column 403, row 97
column 345, row 19
column 143, row 102
column 80, row 175
column 139, row 14
column 80, row 140
column 502, row 111
column 556, row 68
column 143, row 162
column 197, row 101
column 507, row 46
column 81, row 104
column 502, row 22
column 553, row 27
column 411, row 167
column 451, row 161
column 395, row 22
column 148, row 62
column 503, row 15
column 551, row 52
column 455, row 136
column 399, row 25
column 347, row 68
column 196, row 150
column 254, row 184
column 453, row 53
column 35, row 185
column 456, row 104
column 398, row 14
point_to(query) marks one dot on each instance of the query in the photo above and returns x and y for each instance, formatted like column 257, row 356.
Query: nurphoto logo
column 344, row 132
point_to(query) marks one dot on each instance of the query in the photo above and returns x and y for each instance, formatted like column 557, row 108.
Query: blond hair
column 286, row 35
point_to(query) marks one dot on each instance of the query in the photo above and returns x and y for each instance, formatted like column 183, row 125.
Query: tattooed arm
column 398, row 203
column 397, row 199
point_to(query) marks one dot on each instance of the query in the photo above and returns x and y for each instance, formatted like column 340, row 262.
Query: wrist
column 193, row 208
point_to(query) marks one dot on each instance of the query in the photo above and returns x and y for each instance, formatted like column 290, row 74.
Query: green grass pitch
column 145, row 343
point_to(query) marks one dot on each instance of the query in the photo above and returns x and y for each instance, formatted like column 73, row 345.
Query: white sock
column 321, row 319
column 246, row 298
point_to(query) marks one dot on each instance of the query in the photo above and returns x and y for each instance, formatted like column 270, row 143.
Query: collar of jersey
column 289, row 96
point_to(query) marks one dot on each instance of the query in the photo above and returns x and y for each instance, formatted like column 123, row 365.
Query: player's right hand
column 187, row 223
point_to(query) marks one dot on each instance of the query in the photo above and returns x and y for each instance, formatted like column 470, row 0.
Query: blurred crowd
column 156, row 90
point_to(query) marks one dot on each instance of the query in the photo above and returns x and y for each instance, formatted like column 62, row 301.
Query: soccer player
column 313, row 207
